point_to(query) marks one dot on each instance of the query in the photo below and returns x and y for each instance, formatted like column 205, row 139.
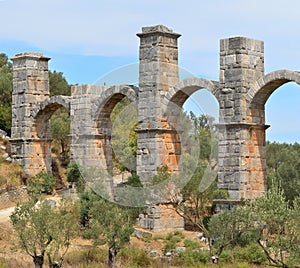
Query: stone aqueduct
column 242, row 91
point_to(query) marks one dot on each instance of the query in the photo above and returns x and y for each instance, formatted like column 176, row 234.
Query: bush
column 43, row 182
column 134, row 256
column 191, row 244
column 86, row 256
column 251, row 253
column 74, row 176
column 192, row 258
column 226, row 257
column 3, row 263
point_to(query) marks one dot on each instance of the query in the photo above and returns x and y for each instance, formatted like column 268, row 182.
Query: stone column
column 241, row 140
column 158, row 72
column 31, row 143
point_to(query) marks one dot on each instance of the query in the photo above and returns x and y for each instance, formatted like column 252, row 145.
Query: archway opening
column 199, row 116
column 283, row 136
column 50, row 144
column 60, row 145
column 116, row 137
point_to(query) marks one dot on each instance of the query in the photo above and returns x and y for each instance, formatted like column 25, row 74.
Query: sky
column 91, row 39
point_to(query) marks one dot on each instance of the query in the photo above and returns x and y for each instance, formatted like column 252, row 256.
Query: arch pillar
column 30, row 87
column 242, row 161
column 158, row 72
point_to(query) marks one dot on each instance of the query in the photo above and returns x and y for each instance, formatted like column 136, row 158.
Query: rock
column 3, row 147
column 153, row 253
column 168, row 254
column 180, row 249
column 141, row 234
column 5, row 155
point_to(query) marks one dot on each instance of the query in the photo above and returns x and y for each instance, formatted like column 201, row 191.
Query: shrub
column 43, row 182
column 3, row 263
column 191, row 244
column 192, row 258
column 85, row 256
column 251, row 253
column 74, row 176
column 134, row 256
column 226, row 257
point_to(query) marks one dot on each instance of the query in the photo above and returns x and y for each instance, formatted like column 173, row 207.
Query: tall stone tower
column 242, row 160
column 158, row 72
column 31, row 144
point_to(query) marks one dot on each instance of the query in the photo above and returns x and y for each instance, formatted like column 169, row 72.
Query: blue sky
column 87, row 40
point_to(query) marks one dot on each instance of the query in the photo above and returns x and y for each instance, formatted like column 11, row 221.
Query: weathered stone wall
column 31, row 146
column 241, row 64
column 158, row 72
column 161, row 217
column 13, row 196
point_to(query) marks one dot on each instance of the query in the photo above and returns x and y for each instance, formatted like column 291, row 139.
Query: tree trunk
column 55, row 265
column 112, row 257
column 38, row 261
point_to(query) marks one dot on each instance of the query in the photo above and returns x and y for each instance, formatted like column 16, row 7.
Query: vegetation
column 124, row 142
column 43, row 229
column 114, row 229
column 74, row 176
column 266, row 230
column 43, row 182
column 270, row 221
column 283, row 167
column 6, row 78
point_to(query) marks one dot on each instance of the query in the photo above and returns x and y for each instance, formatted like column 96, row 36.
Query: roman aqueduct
column 241, row 92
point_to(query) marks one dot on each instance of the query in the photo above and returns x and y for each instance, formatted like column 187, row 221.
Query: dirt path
column 5, row 213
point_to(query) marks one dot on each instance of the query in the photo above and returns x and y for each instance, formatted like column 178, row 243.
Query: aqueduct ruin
column 242, row 91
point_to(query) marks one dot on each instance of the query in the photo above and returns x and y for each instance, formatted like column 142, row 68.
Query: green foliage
column 43, row 229
column 252, row 253
column 280, row 227
column 74, row 176
column 134, row 256
column 5, row 117
column 192, row 258
column 43, row 182
column 124, row 142
column 172, row 239
column 161, row 176
column 58, row 84
column 4, row 263
column 85, row 257
column 270, row 221
column 220, row 194
column 283, row 166
column 113, row 229
column 134, row 180
column 6, row 78
column 191, row 244
column 60, row 130
column 229, row 228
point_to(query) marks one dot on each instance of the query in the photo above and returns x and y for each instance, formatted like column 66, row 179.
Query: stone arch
column 262, row 89
column 185, row 88
column 40, row 133
column 111, row 96
column 173, row 102
column 265, row 86
column 42, row 113
column 101, row 118
column 255, row 141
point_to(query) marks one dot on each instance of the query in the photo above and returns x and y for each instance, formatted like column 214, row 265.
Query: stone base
column 161, row 217
column 225, row 204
